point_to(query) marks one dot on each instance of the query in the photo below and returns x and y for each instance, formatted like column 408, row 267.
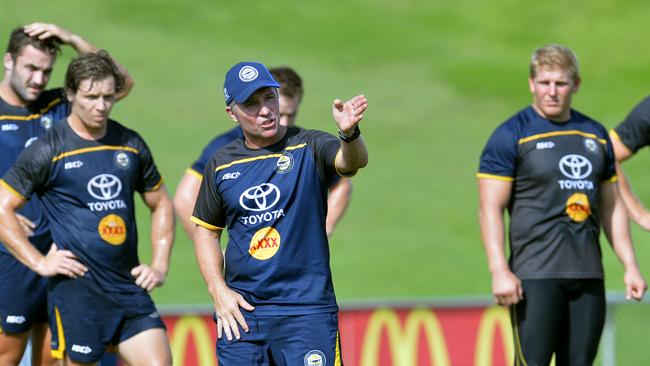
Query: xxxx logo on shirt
column 577, row 207
column 265, row 243
column 112, row 229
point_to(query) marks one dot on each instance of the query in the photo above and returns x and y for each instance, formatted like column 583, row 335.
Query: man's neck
column 85, row 132
column 8, row 94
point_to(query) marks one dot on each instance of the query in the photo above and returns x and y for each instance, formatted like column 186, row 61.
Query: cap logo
column 247, row 74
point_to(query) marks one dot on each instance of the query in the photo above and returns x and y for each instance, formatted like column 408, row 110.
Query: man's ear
column 8, row 62
column 231, row 114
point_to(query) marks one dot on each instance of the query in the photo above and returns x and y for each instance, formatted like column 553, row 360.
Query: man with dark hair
column 552, row 168
column 291, row 91
column 86, row 170
column 270, row 191
column 27, row 110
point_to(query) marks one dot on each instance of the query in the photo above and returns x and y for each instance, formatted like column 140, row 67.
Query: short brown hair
column 555, row 55
column 18, row 40
column 290, row 81
column 94, row 66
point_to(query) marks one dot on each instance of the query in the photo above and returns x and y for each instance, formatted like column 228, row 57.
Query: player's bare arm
column 353, row 154
column 81, row 45
column 337, row 202
column 162, row 240
column 227, row 303
column 12, row 235
column 635, row 208
column 184, row 199
column 493, row 200
column 616, row 227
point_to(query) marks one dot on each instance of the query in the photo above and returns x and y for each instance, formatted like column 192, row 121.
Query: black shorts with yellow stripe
column 86, row 321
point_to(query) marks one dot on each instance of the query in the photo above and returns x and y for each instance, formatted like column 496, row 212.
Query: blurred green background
column 439, row 77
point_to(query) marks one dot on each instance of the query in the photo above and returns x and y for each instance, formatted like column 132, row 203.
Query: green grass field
column 439, row 76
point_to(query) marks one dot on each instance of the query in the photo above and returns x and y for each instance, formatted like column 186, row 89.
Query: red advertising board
column 382, row 337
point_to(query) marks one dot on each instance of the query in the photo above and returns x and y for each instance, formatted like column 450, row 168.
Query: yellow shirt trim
column 561, row 133
column 194, row 173
column 12, row 190
column 262, row 157
column 205, row 224
column 93, row 149
column 492, row 176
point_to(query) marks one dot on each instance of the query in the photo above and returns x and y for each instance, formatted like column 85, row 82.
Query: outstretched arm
column 46, row 30
column 615, row 223
column 162, row 240
column 14, row 238
column 494, row 196
column 354, row 154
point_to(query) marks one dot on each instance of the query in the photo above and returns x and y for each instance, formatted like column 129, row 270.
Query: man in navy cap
column 269, row 190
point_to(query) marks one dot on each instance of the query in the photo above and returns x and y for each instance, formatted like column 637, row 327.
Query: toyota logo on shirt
column 104, row 186
column 260, row 198
column 575, row 166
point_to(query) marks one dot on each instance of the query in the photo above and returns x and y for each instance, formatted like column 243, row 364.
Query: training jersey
column 634, row 132
column 87, row 188
column 557, row 170
column 273, row 201
column 19, row 127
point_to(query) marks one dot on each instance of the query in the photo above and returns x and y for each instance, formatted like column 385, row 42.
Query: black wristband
column 354, row 136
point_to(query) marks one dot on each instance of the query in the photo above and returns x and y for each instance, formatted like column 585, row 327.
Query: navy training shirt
column 557, row 170
column 19, row 127
column 273, row 201
column 87, row 189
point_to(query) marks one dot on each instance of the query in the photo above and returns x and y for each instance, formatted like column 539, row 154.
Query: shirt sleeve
column 30, row 173
column 634, row 131
column 325, row 147
column 208, row 209
column 610, row 161
column 150, row 178
column 499, row 157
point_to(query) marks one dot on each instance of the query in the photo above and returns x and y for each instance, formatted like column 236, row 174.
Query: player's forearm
column 163, row 231
column 207, row 248
column 14, row 239
column 337, row 203
column 352, row 156
column 635, row 208
column 614, row 220
column 492, row 233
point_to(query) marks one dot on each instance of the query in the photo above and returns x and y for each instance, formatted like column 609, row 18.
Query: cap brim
column 249, row 90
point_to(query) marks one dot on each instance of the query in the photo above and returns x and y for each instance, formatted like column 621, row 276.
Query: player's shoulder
column 589, row 124
column 517, row 125
column 122, row 135
column 48, row 100
column 297, row 135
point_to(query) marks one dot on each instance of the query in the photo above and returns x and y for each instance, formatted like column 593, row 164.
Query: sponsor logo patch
column 112, row 229
column 46, row 122
column 315, row 358
column 577, row 207
column 284, row 164
column 16, row 319
column 10, row 127
column 248, row 74
column 228, row 176
column 545, row 145
column 122, row 159
column 81, row 349
column 591, row 145
column 73, row 164
column 265, row 243
column 260, row 198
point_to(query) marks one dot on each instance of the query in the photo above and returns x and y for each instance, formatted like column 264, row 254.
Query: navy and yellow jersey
column 19, row 127
column 86, row 188
column 557, row 170
column 273, row 201
column 217, row 143
column 634, row 132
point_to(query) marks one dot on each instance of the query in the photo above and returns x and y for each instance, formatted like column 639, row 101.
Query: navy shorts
column 85, row 320
column 23, row 296
column 310, row 340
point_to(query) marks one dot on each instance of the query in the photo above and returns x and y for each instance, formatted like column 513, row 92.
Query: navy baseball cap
column 244, row 79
